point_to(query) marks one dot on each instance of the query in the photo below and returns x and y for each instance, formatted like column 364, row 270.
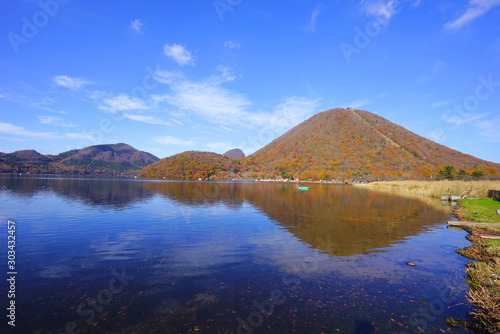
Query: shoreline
column 465, row 189
column 483, row 275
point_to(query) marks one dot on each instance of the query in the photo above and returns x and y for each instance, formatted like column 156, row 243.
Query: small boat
column 303, row 188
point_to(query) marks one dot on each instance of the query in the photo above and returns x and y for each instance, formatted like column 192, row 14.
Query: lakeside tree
column 448, row 172
column 477, row 173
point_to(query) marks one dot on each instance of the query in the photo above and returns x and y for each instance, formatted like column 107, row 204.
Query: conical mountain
column 345, row 143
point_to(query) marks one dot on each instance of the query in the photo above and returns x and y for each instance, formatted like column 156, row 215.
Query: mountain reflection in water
column 340, row 220
column 200, row 254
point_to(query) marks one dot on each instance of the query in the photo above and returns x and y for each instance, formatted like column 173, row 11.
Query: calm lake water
column 138, row 256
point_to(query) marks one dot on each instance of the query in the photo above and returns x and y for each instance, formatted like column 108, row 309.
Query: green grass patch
column 481, row 210
column 492, row 243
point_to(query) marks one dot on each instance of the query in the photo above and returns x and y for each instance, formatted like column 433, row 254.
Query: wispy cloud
column 489, row 129
column 20, row 132
column 215, row 103
column 360, row 103
column 311, row 27
column 461, row 118
column 122, row 102
column 137, row 26
column 219, row 147
column 475, row 9
column 79, row 136
column 291, row 112
column 71, row 83
column 169, row 140
column 56, row 121
column 437, row 136
column 179, row 54
column 439, row 104
column 232, row 45
column 416, row 3
column 206, row 98
column 11, row 129
column 145, row 119
column 380, row 10
column 437, row 68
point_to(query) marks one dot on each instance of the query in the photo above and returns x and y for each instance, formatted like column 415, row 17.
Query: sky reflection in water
column 205, row 256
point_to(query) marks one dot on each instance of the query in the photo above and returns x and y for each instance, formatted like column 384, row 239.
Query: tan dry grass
column 470, row 189
column 484, row 295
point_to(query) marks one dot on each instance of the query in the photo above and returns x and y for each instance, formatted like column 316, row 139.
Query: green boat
column 303, row 188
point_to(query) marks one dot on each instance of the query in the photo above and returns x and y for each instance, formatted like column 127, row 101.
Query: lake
column 98, row 255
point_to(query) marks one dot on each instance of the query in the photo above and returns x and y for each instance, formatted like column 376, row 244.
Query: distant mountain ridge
column 192, row 165
column 235, row 153
column 97, row 159
column 341, row 144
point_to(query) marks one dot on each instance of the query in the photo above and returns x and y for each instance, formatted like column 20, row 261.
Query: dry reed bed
column 470, row 189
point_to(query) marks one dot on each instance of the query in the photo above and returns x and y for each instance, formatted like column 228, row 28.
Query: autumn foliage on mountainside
column 115, row 159
column 193, row 165
column 349, row 144
column 338, row 144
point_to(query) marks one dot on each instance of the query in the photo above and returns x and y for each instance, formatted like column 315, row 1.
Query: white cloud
column 169, row 140
column 219, row 147
column 441, row 103
column 291, row 112
column 438, row 68
column 145, row 119
column 357, row 104
column 232, row 45
column 416, row 3
column 11, row 129
column 489, row 129
column 137, row 26
column 80, row 136
column 216, row 104
column 475, row 9
column 311, row 27
column 179, row 54
column 167, row 77
column 380, row 10
column 122, row 102
column 211, row 101
column 437, row 135
column 458, row 118
column 71, row 83
column 56, row 121
column 205, row 98
column 226, row 75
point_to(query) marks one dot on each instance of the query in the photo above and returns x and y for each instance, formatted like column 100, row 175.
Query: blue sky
column 169, row 76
